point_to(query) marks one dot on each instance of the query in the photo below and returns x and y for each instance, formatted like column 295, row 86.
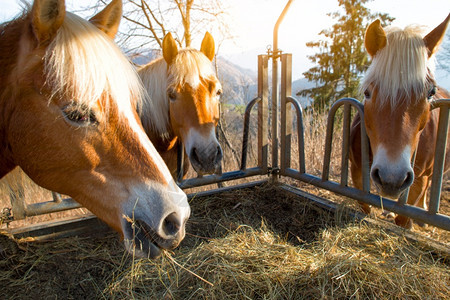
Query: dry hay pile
column 259, row 243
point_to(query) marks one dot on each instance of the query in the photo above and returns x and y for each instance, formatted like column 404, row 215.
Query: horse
column 68, row 106
column 183, row 105
column 398, row 87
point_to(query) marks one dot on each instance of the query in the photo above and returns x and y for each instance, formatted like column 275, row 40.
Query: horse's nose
column 206, row 159
column 171, row 224
column 173, row 230
column 392, row 183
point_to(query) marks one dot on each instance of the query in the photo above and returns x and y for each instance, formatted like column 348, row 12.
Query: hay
column 259, row 243
column 355, row 261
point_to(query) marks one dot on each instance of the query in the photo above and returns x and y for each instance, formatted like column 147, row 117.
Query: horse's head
column 193, row 92
column 397, row 88
column 69, row 120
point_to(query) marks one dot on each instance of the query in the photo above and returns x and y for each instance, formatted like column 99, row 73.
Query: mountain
column 144, row 56
column 297, row 86
column 239, row 84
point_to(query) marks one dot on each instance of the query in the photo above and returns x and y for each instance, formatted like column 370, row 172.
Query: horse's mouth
column 389, row 193
column 144, row 241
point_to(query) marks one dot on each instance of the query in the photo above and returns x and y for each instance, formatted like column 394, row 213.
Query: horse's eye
column 367, row 94
column 431, row 92
column 172, row 95
column 79, row 115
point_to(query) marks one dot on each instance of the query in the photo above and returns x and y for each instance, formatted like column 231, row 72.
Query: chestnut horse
column 68, row 100
column 398, row 88
column 183, row 105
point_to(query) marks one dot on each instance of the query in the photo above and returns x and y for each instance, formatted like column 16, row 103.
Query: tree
column 148, row 21
column 341, row 58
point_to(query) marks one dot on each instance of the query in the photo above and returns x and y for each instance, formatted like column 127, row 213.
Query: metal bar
column 245, row 185
column 438, row 220
column 286, row 113
column 50, row 207
column 329, row 141
column 300, row 133
column 247, row 114
column 439, row 154
column 274, row 106
column 365, row 158
column 345, row 144
column 263, row 111
column 210, row 179
column 329, row 134
column 180, row 161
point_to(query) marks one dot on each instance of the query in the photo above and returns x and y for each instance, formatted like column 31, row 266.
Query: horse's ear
column 375, row 38
column 170, row 48
column 47, row 17
column 108, row 19
column 435, row 37
column 208, row 47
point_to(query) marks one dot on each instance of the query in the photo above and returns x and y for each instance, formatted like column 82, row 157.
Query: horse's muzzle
column 206, row 160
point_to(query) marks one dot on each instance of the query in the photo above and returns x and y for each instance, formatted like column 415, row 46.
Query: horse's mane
column 189, row 66
column 401, row 70
column 84, row 64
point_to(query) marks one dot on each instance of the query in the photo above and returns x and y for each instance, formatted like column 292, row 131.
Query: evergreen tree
column 341, row 58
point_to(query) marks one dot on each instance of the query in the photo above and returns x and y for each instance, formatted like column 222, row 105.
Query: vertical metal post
column 365, row 161
column 286, row 110
column 274, row 106
column 180, row 161
column 263, row 93
column 274, row 109
column 345, row 145
column 439, row 159
column 329, row 141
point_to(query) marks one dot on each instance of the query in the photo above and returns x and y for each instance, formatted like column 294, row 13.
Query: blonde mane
column 402, row 68
column 190, row 66
column 84, row 64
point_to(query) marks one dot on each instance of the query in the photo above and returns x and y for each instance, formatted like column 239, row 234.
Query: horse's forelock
column 190, row 66
column 85, row 65
column 401, row 70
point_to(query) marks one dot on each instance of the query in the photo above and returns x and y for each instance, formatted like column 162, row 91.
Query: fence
column 281, row 143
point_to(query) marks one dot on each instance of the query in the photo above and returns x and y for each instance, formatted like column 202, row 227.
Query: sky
column 252, row 22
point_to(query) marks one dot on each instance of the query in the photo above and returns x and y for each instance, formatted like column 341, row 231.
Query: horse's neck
column 162, row 143
column 154, row 77
column 9, row 50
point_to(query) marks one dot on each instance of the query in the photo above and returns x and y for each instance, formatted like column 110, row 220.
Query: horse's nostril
column 194, row 155
column 409, row 178
column 219, row 154
column 376, row 175
column 171, row 225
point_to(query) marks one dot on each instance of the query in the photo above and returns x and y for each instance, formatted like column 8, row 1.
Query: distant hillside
column 239, row 84
column 297, row 86
column 144, row 56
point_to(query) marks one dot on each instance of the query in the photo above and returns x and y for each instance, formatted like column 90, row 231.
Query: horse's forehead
column 395, row 127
